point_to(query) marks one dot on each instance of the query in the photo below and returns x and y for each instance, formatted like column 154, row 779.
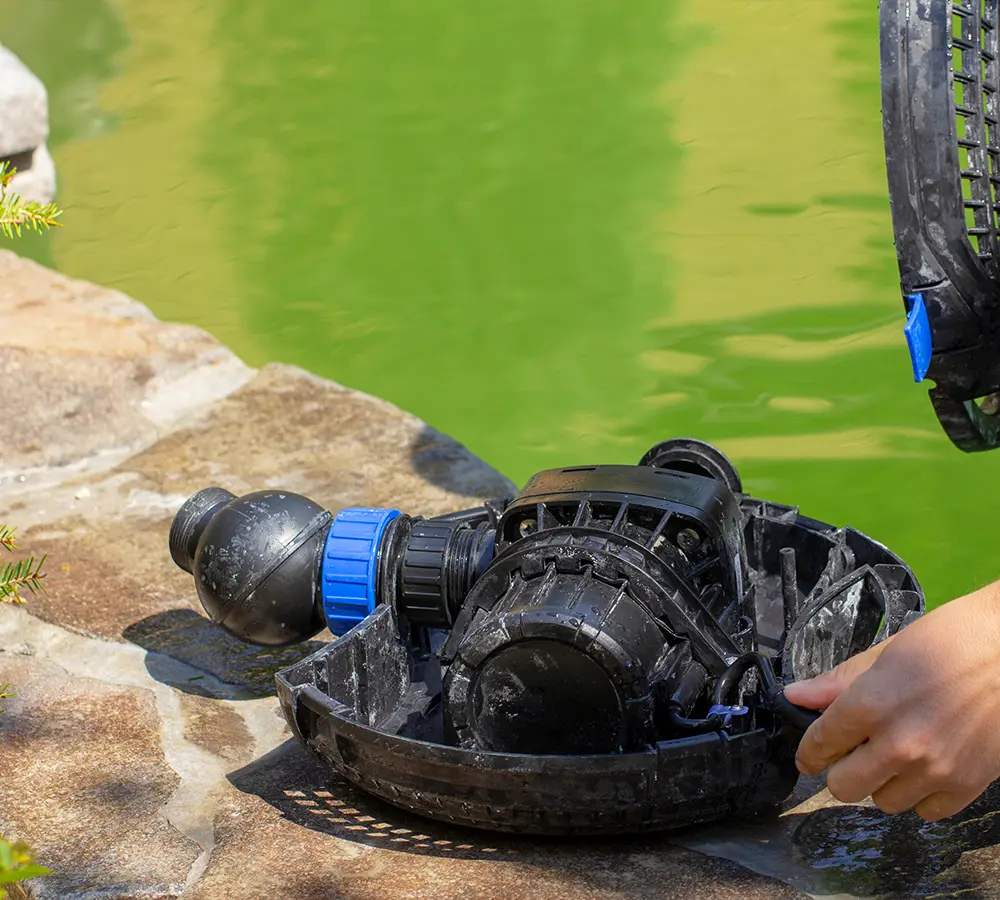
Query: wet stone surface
column 827, row 849
column 862, row 850
column 215, row 727
column 144, row 755
column 183, row 634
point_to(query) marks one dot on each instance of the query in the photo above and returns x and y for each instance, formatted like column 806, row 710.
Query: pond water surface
column 558, row 231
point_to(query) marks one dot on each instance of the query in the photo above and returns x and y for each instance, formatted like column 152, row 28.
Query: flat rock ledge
column 144, row 755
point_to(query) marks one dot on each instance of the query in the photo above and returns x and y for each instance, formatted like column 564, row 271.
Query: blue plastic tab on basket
column 918, row 336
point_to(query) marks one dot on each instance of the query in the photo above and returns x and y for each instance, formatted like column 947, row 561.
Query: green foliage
column 22, row 575
column 16, row 214
column 17, row 864
column 25, row 574
column 16, row 861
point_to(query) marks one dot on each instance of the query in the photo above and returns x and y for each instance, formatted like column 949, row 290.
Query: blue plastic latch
column 726, row 713
column 350, row 561
column 918, row 336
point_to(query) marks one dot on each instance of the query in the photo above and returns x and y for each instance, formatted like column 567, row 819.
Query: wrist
column 986, row 599
column 983, row 608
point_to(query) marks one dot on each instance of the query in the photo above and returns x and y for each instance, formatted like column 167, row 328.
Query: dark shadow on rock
column 121, row 795
column 447, row 464
column 294, row 782
column 304, row 791
column 184, row 636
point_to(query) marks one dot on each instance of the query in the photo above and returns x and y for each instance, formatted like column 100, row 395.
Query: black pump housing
column 604, row 652
column 595, row 566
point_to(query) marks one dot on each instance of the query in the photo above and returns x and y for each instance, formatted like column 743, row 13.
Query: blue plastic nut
column 350, row 560
column 918, row 336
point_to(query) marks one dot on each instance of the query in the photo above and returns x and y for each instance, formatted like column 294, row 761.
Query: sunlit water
column 559, row 232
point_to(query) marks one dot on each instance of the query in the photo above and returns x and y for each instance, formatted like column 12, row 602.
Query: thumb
column 821, row 691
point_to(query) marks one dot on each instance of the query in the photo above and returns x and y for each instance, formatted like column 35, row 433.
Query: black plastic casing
column 706, row 501
column 255, row 561
column 562, row 641
column 932, row 188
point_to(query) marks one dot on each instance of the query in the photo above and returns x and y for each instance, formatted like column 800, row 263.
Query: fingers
column 862, row 773
column 868, row 771
column 845, row 725
column 944, row 804
column 909, row 792
column 900, row 794
column 896, row 782
column 821, row 691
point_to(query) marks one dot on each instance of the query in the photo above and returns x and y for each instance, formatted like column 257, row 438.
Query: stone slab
column 226, row 804
column 90, row 375
column 89, row 779
column 829, row 849
column 122, row 417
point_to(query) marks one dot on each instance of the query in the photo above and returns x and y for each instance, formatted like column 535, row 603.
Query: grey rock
column 24, row 107
column 35, row 180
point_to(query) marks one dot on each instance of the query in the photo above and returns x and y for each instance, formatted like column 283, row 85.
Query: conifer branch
column 16, row 861
column 16, row 214
column 24, row 575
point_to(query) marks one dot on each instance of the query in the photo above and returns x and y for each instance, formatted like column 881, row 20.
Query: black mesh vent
column 977, row 108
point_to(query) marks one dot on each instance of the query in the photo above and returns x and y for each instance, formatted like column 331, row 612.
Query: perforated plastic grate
column 974, row 51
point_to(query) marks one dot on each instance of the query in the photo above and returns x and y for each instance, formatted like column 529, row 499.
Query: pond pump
column 604, row 652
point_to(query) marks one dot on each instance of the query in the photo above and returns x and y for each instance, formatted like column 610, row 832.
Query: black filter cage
column 941, row 118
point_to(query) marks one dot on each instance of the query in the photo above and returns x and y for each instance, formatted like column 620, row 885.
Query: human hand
column 912, row 722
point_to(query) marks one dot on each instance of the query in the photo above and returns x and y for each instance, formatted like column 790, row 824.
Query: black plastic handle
column 797, row 716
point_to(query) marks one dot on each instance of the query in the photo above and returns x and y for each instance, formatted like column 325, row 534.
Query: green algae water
column 559, row 232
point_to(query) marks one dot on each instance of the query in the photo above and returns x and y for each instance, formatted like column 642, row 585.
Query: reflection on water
column 561, row 234
column 860, row 850
column 827, row 849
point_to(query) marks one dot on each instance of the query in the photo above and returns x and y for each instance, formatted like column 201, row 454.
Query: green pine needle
column 16, row 214
column 23, row 575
